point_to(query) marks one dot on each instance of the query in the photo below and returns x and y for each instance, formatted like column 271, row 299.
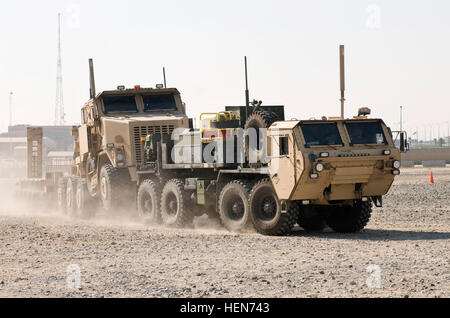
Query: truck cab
column 333, row 161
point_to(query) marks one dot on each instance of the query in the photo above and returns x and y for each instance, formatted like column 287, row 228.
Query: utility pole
column 59, row 104
column 448, row 134
column 342, row 77
column 10, row 108
column 401, row 114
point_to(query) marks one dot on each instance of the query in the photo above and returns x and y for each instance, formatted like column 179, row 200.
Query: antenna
column 91, row 79
column 247, row 98
column 59, row 105
column 342, row 76
column 164, row 75
column 10, row 108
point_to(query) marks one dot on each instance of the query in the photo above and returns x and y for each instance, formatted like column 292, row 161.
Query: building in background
column 13, row 147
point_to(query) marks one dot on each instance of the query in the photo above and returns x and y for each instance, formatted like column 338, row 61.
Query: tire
column 258, row 120
column 350, row 219
column 233, row 205
column 84, row 203
column 113, row 188
column 311, row 218
column 266, row 213
column 175, row 208
column 70, row 196
column 61, row 195
column 148, row 201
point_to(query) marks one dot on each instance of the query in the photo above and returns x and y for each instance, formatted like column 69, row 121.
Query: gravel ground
column 406, row 243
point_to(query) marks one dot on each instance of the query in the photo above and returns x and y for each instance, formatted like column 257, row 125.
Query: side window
column 284, row 146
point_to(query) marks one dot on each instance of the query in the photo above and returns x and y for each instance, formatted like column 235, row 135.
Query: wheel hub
column 173, row 206
column 236, row 209
column 268, row 208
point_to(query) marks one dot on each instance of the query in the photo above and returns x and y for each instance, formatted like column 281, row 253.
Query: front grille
column 143, row 131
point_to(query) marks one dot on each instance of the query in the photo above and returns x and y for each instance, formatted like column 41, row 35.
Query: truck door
column 282, row 164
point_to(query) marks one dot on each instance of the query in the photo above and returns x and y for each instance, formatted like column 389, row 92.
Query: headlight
column 387, row 152
column 396, row 164
column 319, row 167
column 120, row 157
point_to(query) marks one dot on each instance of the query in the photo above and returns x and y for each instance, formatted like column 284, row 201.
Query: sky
column 397, row 54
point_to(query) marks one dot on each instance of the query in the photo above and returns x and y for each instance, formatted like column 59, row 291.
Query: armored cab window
column 365, row 133
column 284, row 146
column 321, row 134
column 119, row 104
column 159, row 102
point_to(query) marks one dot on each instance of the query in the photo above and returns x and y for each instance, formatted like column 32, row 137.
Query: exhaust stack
column 91, row 79
column 342, row 77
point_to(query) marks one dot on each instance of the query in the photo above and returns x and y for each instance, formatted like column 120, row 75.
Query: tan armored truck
column 317, row 173
column 108, row 144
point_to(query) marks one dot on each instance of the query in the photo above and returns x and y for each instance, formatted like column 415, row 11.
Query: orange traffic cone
column 431, row 177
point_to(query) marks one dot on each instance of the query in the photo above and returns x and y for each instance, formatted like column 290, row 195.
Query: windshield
column 366, row 133
column 120, row 104
column 321, row 134
column 159, row 102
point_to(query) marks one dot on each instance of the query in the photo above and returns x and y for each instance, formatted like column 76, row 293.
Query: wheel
column 233, row 205
column 350, row 219
column 175, row 208
column 70, row 196
column 61, row 195
column 84, row 203
column 114, row 186
column 311, row 218
column 258, row 120
column 266, row 213
column 148, row 201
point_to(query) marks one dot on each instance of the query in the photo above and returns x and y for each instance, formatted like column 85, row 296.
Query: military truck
column 318, row 173
column 108, row 148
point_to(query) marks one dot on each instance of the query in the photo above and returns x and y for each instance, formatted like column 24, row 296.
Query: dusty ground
column 407, row 240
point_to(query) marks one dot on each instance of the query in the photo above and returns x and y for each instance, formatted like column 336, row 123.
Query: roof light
column 137, row 86
column 159, row 86
column 121, row 87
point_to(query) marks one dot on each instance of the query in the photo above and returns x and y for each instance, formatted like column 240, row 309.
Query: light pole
column 431, row 133
column 10, row 108
column 448, row 134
